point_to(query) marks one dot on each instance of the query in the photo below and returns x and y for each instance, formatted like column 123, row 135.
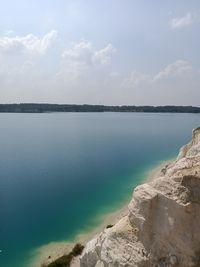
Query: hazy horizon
column 103, row 53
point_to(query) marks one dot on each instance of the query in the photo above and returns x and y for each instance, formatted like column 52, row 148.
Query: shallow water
column 60, row 171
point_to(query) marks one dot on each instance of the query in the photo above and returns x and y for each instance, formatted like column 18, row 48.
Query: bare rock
column 162, row 226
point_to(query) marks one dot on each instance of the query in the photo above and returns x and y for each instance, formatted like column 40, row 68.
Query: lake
column 60, row 171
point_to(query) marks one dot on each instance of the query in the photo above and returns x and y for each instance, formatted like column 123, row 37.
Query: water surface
column 59, row 171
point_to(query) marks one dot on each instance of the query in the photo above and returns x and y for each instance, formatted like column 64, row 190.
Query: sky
column 113, row 52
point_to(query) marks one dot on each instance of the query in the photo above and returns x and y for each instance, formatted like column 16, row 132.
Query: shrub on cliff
column 77, row 250
column 109, row 226
column 65, row 260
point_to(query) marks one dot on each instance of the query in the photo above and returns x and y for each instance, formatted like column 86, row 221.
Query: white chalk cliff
column 162, row 228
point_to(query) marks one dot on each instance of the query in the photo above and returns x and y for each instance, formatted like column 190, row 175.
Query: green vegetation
column 65, row 260
column 40, row 108
column 109, row 226
column 77, row 250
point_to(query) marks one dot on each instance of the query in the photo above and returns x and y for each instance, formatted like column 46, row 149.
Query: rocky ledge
column 162, row 228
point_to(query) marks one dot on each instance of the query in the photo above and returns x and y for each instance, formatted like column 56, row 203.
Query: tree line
column 41, row 108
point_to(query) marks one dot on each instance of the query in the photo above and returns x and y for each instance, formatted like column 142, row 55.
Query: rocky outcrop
column 162, row 228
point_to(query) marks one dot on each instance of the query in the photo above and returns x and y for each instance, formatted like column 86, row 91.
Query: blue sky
column 102, row 52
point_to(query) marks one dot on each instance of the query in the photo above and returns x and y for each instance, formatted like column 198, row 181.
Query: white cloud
column 177, row 68
column 85, row 53
column 28, row 43
column 103, row 56
column 82, row 59
column 181, row 22
column 80, row 65
column 80, row 53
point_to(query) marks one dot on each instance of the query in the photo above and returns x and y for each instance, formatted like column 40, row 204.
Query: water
column 59, row 171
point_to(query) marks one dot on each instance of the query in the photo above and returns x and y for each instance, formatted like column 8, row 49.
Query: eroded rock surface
column 162, row 228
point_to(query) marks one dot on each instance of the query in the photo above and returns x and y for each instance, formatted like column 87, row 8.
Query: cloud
column 177, row 83
column 177, row 68
column 175, row 71
column 103, row 56
column 78, row 66
column 25, row 61
column 181, row 22
column 84, row 53
column 28, row 43
column 82, row 58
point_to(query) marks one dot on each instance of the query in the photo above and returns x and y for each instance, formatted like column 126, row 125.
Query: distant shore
column 49, row 108
column 50, row 252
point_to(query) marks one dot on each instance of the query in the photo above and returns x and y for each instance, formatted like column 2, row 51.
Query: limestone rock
column 162, row 228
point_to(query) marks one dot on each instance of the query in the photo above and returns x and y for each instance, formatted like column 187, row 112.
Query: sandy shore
column 48, row 253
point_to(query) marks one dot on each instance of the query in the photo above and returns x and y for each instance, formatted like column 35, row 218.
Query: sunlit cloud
column 175, row 69
column 28, row 43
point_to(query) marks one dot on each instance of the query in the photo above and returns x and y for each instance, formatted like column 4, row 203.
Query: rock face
column 162, row 228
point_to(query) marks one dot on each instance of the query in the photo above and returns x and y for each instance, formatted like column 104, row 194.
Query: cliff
column 162, row 228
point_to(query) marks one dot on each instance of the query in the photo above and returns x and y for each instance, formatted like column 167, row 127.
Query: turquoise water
column 60, row 171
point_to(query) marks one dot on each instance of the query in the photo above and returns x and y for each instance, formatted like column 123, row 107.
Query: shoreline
column 48, row 253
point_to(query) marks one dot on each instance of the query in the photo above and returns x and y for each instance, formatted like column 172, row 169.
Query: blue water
column 60, row 171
